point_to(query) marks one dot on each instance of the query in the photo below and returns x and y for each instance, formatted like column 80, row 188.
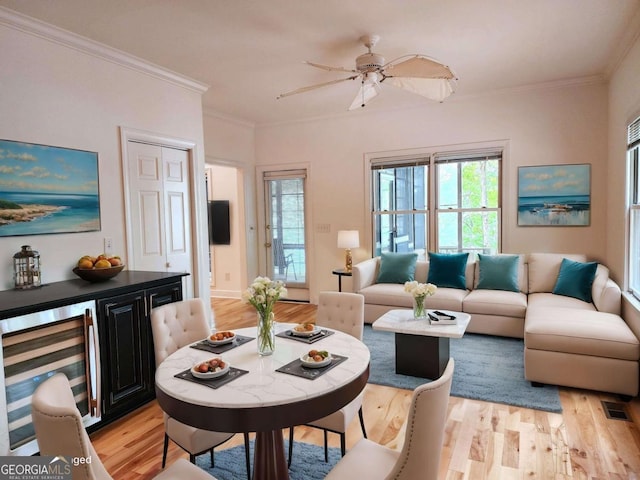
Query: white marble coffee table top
column 263, row 386
column 402, row 321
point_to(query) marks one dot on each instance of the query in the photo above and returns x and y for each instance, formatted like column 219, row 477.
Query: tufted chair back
column 341, row 311
column 59, row 428
column 177, row 324
column 420, row 455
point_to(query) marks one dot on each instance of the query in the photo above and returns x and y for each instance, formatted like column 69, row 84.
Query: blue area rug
column 307, row 462
column 488, row 368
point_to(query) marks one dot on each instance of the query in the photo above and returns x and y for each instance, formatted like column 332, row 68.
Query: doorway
column 285, row 223
column 160, row 209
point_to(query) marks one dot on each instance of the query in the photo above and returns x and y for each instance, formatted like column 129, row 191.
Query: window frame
column 633, row 201
column 405, row 157
column 460, row 158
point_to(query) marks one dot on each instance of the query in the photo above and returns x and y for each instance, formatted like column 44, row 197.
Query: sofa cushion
column 580, row 332
column 448, row 269
column 391, row 294
column 446, row 299
column 495, row 302
column 498, row 272
column 544, row 269
column 575, row 279
column 535, row 300
column 397, row 267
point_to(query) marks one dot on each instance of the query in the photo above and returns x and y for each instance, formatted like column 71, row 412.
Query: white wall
column 56, row 95
column 544, row 126
column 230, row 145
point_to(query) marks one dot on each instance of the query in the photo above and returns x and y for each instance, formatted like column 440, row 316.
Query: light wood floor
column 482, row 440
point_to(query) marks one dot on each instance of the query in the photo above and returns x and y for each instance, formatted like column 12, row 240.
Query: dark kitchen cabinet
column 126, row 347
column 122, row 310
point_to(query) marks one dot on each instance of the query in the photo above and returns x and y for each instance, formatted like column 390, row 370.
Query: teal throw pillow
column 498, row 272
column 397, row 267
column 575, row 279
column 448, row 269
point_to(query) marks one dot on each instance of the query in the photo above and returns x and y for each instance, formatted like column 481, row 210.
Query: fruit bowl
column 97, row 274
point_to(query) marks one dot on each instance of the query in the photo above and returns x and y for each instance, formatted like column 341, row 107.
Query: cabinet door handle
column 91, row 344
column 151, row 297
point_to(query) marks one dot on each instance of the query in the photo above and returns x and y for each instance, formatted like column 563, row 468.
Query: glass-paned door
column 285, row 227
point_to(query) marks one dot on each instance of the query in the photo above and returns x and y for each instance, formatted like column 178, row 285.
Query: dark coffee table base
column 421, row 356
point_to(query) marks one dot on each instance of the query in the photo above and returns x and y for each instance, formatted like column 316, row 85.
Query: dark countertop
column 52, row 295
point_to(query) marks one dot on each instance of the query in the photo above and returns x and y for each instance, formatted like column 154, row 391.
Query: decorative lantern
column 26, row 267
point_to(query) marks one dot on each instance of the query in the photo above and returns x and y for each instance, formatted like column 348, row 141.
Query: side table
column 341, row 272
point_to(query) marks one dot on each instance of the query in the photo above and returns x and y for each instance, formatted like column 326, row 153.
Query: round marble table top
column 228, row 407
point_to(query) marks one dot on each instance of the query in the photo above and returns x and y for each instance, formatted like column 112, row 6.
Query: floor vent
column 615, row 411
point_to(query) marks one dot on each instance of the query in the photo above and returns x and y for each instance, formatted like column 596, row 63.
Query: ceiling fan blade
column 417, row 66
column 433, row 88
column 367, row 92
column 331, row 69
column 313, row 87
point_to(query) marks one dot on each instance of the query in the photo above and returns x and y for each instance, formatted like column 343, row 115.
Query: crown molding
column 454, row 98
column 552, row 85
column 210, row 112
column 628, row 38
column 51, row 33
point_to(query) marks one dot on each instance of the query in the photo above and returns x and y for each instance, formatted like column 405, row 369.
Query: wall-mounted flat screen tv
column 219, row 222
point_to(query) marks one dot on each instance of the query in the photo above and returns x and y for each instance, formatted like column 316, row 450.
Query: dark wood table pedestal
column 269, row 462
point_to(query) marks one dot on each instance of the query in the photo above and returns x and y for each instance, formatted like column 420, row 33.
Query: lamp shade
column 348, row 239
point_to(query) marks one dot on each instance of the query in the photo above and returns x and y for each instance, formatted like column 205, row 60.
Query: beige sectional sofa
column 567, row 341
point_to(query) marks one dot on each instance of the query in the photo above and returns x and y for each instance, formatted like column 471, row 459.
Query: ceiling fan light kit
column 415, row 73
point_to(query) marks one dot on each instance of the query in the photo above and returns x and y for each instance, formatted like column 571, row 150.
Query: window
column 634, row 207
column 400, row 201
column 468, row 207
column 464, row 215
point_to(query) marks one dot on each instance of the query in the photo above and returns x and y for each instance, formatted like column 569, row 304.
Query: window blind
column 384, row 163
column 285, row 174
column 634, row 133
column 468, row 156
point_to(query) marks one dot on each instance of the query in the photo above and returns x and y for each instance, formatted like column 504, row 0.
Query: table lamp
column 348, row 239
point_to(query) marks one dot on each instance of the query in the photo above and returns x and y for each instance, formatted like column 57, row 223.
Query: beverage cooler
column 33, row 348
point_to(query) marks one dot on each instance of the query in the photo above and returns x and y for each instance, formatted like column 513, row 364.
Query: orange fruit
column 85, row 263
column 102, row 263
column 115, row 261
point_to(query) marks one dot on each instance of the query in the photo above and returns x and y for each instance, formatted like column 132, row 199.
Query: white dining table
column 263, row 400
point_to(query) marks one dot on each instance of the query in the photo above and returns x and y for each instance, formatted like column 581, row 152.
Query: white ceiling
column 249, row 51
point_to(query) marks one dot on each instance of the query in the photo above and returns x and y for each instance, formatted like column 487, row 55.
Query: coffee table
column 422, row 349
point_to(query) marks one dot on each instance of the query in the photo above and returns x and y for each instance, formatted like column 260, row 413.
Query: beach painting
column 45, row 189
column 554, row 195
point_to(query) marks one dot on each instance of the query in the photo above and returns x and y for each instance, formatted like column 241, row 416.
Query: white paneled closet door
column 160, row 220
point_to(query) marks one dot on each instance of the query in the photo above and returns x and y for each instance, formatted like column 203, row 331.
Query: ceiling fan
column 414, row 73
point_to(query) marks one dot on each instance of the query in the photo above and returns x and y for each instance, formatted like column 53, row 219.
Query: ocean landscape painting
column 45, row 189
column 554, row 195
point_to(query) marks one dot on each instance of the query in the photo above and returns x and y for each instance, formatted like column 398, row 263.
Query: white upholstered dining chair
column 420, row 454
column 345, row 312
column 175, row 325
column 60, row 432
